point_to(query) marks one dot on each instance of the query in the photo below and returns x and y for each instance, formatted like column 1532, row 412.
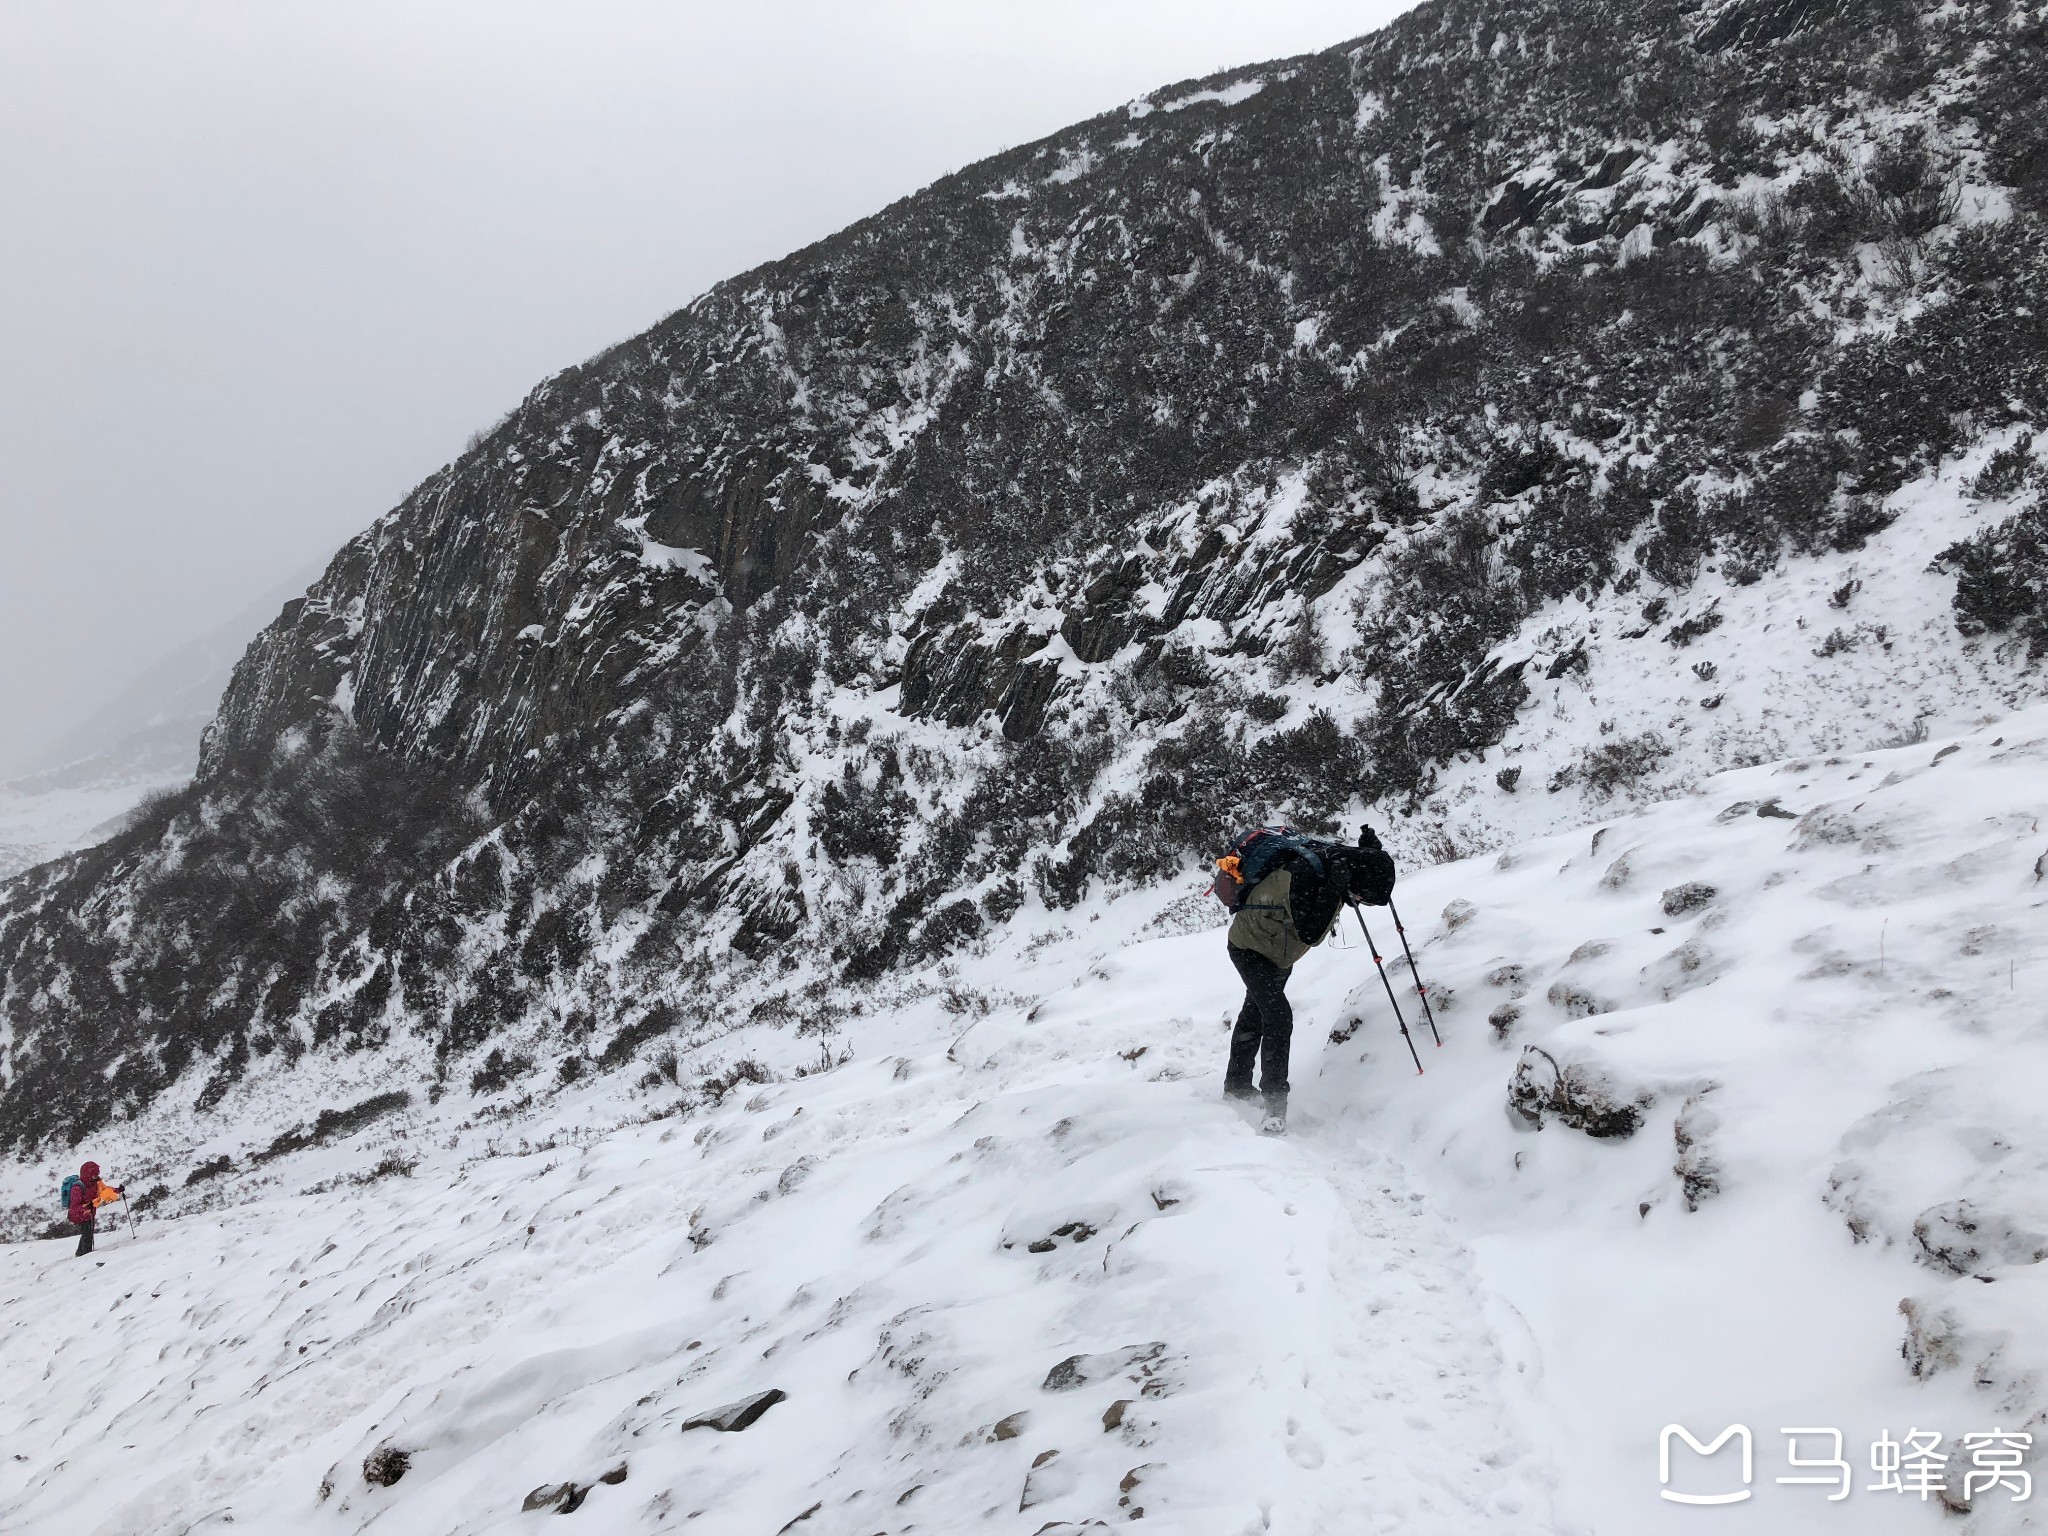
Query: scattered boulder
column 1514, row 977
column 1689, row 897
column 1009, row 1427
column 1823, row 828
column 1076, row 1231
column 1699, row 1176
column 734, row 1417
column 1458, row 914
column 1140, row 1362
column 1962, row 1239
column 1933, row 1336
column 1128, row 1485
column 1687, row 967
column 1049, row 1478
column 386, row 1465
column 1617, row 874
column 1577, row 1094
column 1504, row 1018
column 1576, row 1001
column 1847, row 1197
column 562, row 1498
column 1113, row 1415
column 791, row 1524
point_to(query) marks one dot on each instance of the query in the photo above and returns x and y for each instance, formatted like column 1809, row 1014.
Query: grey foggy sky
column 264, row 266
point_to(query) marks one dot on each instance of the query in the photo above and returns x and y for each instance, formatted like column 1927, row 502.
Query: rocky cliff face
column 1510, row 390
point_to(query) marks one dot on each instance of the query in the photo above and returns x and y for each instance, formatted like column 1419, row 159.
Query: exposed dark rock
column 734, row 1417
column 1138, row 1362
column 386, row 1465
column 795, row 1521
column 562, row 1498
column 1048, row 1479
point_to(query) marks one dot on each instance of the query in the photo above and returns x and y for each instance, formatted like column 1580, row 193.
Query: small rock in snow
column 1576, row 1002
column 563, row 1498
column 800, row 1519
column 1047, row 1479
column 386, row 1465
column 734, row 1417
column 1959, row 1237
column 1689, row 897
column 1459, row 913
column 1082, row 1370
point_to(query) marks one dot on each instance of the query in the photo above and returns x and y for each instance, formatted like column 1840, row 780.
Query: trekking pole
column 1420, row 990
column 1392, row 1002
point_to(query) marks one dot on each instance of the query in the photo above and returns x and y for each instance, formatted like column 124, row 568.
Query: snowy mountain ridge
column 1731, row 1125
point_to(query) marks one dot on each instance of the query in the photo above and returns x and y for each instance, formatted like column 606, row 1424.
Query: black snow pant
column 1265, row 1028
column 86, row 1229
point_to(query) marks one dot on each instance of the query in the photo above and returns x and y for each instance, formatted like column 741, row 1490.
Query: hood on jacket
column 89, row 1170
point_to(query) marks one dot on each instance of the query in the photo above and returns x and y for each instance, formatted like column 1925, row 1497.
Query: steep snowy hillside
column 1488, row 425
column 1735, row 1100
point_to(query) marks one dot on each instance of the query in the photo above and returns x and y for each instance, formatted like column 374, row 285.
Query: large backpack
column 64, row 1194
column 1255, row 855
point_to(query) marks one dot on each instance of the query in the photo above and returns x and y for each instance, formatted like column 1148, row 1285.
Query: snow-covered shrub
column 1680, row 900
column 2002, row 579
column 1577, row 1093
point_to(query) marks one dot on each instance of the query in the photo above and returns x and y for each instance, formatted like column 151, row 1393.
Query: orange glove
column 107, row 1195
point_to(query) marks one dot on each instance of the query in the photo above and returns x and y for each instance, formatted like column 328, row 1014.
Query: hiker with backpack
column 1285, row 891
column 84, row 1193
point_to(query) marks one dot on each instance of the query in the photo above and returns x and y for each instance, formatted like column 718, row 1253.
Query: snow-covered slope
column 40, row 820
column 1007, row 1198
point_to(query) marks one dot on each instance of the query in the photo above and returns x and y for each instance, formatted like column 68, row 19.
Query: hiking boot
column 1274, row 1124
column 1239, row 1091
